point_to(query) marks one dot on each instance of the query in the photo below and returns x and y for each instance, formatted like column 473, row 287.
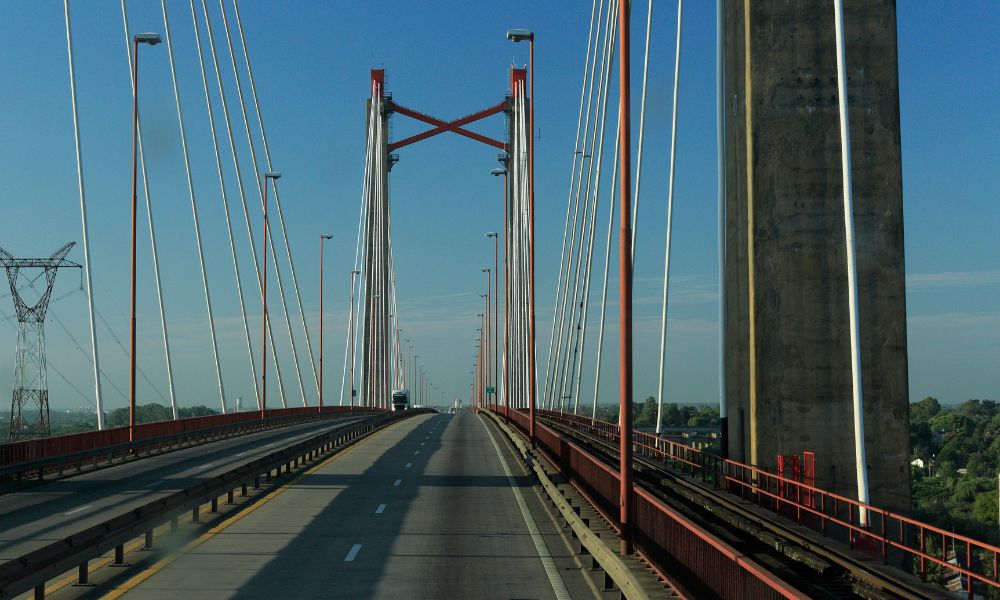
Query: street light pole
column 625, row 284
column 487, row 335
column 506, row 290
column 151, row 39
column 351, row 333
column 273, row 175
column 322, row 238
column 496, row 304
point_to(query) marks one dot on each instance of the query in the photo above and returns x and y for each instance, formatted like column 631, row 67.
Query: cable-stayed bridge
column 524, row 488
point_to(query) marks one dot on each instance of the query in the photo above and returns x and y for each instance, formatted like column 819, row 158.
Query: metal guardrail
column 860, row 525
column 34, row 569
column 668, row 540
column 38, row 467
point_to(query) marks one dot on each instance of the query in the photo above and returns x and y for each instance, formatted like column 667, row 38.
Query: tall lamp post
column 273, row 176
column 496, row 305
column 519, row 35
column 151, row 39
column 506, row 291
column 350, row 340
column 625, row 284
column 490, row 380
column 322, row 238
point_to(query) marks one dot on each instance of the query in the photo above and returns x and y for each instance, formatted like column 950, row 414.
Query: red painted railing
column 839, row 517
column 38, row 449
column 695, row 561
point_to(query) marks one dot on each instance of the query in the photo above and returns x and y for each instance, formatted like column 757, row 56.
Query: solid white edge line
column 551, row 571
column 78, row 509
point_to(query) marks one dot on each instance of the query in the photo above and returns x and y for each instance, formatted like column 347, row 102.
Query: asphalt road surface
column 435, row 506
column 42, row 514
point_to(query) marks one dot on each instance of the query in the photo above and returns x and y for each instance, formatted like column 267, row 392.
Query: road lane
column 451, row 528
column 39, row 515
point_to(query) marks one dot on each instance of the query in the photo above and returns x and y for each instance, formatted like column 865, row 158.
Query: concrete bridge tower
column 787, row 357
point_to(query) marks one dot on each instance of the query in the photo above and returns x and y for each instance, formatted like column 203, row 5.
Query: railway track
column 817, row 570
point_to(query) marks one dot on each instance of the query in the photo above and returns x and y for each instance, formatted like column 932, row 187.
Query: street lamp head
column 498, row 172
column 485, row 269
column 147, row 38
column 491, row 234
column 519, row 35
column 326, row 237
column 272, row 175
column 355, row 272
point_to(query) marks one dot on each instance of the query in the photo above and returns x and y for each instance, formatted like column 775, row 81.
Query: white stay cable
column 585, row 303
column 269, row 241
column 225, row 203
column 357, row 252
column 277, row 198
column 586, row 90
column 593, row 180
column 357, row 255
column 607, row 265
column 152, row 228
column 670, row 210
column 242, row 190
column 642, row 129
column 194, row 205
column 83, row 219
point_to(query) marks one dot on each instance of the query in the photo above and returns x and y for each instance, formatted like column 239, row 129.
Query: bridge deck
column 34, row 516
column 415, row 511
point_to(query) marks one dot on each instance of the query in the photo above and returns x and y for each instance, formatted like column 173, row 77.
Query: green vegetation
column 674, row 415
column 151, row 413
column 956, row 489
column 66, row 423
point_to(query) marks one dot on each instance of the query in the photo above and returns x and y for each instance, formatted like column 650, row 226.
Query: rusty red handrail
column 40, row 449
column 893, row 529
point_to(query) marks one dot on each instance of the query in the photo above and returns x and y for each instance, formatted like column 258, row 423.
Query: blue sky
column 448, row 58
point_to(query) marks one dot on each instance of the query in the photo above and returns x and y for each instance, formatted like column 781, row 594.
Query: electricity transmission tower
column 30, row 381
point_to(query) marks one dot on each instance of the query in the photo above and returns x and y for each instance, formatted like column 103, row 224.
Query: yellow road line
column 129, row 585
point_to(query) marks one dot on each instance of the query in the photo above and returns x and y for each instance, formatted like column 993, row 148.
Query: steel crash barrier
column 695, row 561
column 32, row 570
column 34, row 458
column 892, row 537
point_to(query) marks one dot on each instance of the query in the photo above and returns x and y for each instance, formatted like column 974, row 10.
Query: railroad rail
column 890, row 537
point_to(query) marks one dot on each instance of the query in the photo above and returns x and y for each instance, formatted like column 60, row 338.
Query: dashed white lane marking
column 422, row 443
column 206, row 466
column 397, row 482
column 241, row 453
column 380, row 509
column 408, row 465
column 78, row 509
column 353, row 553
column 417, row 452
column 558, row 586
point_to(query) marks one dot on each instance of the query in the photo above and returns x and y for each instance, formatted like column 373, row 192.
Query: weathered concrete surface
column 788, row 336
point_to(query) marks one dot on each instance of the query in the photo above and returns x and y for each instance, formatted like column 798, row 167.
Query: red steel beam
column 453, row 126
